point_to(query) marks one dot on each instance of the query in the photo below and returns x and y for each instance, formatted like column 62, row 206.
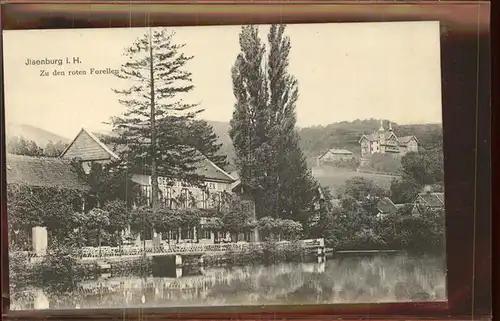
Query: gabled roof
column 338, row 152
column 210, row 170
column 386, row 205
column 94, row 139
column 206, row 167
column 406, row 139
column 431, row 199
column 374, row 137
column 43, row 172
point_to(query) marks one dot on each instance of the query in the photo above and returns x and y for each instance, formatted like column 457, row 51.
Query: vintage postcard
column 225, row 165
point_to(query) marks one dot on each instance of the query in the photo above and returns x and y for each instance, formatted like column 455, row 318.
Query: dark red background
column 465, row 60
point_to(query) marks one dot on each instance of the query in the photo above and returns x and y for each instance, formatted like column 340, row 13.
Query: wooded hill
column 318, row 139
column 313, row 140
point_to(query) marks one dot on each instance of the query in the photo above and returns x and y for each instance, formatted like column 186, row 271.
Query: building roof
column 432, row 199
column 386, row 205
column 373, row 137
column 376, row 137
column 43, row 172
column 406, row 139
column 340, row 151
column 206, row 167
column 81, row 143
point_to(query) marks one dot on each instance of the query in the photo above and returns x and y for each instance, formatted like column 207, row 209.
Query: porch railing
column 135, row 250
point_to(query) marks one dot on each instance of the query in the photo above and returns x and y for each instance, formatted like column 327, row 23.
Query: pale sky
column 345, row 71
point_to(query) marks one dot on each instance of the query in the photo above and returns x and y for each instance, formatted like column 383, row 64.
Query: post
column 39, row 239
column 178, row 261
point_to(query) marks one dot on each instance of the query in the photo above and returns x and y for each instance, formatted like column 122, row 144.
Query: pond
column 347, row 279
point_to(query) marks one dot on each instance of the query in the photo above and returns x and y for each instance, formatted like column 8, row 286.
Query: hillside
column 318, row 139
column 40, row 136
column 335, row 178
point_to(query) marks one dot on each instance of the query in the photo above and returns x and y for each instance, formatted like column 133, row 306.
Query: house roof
column 43, row 172
column 432, row 199
column 373, row 137
column 340, row 151
column 385, row 205
column 406, row 139
column 95, row 139
column 205, row 168
column 209, row 170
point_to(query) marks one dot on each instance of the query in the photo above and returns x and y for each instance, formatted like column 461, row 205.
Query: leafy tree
column 111, row 182
column 155, row 111
column 385, row 163
column 424, row 167
column 237, row 217
column 269, row 160
column 119, row 219
column 280, row 228
column 361, row 188
column 54, row 150
column 22, row 146
column 97, row 220
column 404, row 190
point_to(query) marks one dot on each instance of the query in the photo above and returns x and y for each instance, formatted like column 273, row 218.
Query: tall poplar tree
column 156, row 114
column 271, row 164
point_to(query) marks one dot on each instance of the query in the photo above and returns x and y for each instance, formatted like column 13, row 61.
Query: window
column 211, row 186
column 204, row 198
column 205, row 234
column 186, row 198
column 166, row 196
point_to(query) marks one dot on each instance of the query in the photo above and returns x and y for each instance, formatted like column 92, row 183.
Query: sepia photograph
column 225, row 165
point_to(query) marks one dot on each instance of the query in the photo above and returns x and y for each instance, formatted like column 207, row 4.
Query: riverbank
column 349, row 279
column 62, row 267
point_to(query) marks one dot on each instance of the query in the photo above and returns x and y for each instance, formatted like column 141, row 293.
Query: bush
column 21, row 273
column 139, row 267
column 384, row 163
column 398, row 231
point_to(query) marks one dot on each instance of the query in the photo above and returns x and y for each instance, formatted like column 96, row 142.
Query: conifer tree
column 272, row 166
column 155, row 112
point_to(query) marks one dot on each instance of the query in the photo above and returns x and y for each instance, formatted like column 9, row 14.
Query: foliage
column 156, row 116
column 54, row 208
column 54, row 149
column 111, row 182
column 20, row 273
column 346, row 134
column 424, row 168
column 280, row 228
column 97, row 221
column 237, row 217
column 22, row 146
column 270, row 163
column 361, row 192
column 386, row 163
column 404, row 190
column 119, row 219
column 269, row 253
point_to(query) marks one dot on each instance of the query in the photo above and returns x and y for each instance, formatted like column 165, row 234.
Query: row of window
column 186, row 198
column 163, row 181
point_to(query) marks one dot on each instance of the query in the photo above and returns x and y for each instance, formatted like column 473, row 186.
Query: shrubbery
column 397, row 231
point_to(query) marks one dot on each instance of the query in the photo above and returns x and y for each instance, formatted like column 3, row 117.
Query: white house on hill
column 386, row 142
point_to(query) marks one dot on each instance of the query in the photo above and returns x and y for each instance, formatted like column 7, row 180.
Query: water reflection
column 338, row 280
